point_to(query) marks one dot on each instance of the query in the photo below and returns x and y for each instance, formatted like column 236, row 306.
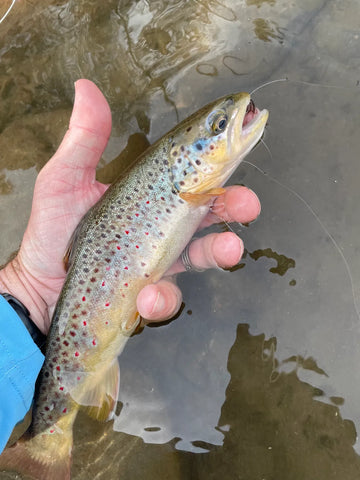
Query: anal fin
column 100, row 402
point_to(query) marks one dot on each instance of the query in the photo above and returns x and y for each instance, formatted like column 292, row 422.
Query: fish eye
column 219, row 123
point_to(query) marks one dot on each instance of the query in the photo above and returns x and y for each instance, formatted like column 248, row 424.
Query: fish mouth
column 254, row 120
column 250, row 113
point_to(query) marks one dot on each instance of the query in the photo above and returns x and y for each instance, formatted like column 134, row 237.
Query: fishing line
column 299, row 82
column 8, row 11
column 285, row 79
column 317, row 218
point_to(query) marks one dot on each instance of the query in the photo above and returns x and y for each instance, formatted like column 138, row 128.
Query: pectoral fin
column 201, row 198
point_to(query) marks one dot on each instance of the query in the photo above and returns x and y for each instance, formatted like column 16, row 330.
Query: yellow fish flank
column 128, row 239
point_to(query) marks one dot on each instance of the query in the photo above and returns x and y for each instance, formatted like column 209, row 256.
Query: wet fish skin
column 127, row 240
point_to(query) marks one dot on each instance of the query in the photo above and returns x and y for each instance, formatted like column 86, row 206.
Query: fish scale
column 127, row 240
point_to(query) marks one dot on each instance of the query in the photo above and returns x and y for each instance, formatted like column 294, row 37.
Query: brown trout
column 128, row 239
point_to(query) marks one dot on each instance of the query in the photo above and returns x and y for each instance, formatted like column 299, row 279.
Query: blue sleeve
column 20, row 364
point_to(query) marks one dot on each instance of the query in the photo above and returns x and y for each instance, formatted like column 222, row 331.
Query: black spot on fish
column 188, row 129
column 198, row 162
column 182, row 148
column 150, row 187
column 199, row 146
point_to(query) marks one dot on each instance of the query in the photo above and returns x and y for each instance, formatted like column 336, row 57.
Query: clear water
column 258, row 378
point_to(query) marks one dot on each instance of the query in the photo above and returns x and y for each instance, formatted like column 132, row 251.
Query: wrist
column 15, row 280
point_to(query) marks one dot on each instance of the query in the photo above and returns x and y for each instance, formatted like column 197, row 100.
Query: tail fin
column 23, row 458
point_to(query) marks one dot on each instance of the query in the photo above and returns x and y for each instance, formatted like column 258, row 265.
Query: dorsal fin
column 69, row 253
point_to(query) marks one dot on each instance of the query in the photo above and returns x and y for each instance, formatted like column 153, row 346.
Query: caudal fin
column 22, row 458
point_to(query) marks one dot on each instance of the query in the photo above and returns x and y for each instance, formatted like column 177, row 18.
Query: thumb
column 88, row 133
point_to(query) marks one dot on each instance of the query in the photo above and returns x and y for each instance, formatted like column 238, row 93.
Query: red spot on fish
column 162, row 198
column 143, row 264
column 65, row 410
column 84, row 323
column 126, row 284
column 136, row 246
column 72, row 333
column 77, row 378
column 127, row 232
column 146, row 233
column 61, row 388
column 107, row 269
column 147, row 202
column 77, row 354
column 118, row 247
column 106, row 323
column 107, row 304
column 136, row 214
column 58, row 368
column 52, row 431
column 103, row 284
column 94, row 342
column 46, row 408
column 156, row 218
column 66, row 343
column 126, row 268
column 83, row 299
column 96, row 270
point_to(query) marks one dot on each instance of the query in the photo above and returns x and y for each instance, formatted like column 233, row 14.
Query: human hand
column 65, row 190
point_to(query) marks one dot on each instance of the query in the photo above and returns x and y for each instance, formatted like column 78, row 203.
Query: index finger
column 237, row 204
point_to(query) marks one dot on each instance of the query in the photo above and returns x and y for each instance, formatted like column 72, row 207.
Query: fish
column 127, row 240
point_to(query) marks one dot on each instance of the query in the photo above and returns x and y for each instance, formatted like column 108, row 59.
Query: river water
column 258, row 378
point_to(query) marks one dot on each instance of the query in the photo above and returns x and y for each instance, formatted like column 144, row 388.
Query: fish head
column 207, row 147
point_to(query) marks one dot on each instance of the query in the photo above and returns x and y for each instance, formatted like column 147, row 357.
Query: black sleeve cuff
column 38, row 337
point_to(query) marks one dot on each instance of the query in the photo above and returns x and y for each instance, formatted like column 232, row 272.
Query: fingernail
column 158, row 305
